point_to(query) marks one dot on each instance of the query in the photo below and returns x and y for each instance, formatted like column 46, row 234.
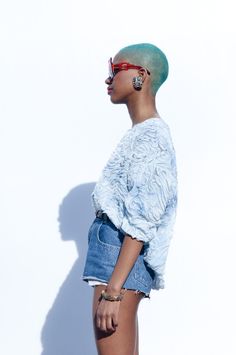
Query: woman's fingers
column 98, row 321
column 109, row 324
column 107, row 316
column 115, row 319
column 103, row 324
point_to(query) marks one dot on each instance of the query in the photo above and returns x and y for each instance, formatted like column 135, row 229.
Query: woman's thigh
column 123, row 340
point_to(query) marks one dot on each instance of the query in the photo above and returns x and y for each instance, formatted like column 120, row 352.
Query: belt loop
column 102, row 215
column 99, row 214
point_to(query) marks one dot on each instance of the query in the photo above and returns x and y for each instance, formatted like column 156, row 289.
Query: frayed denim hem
column 103, row 282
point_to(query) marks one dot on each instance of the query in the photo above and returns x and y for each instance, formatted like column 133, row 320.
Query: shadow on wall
column 68, row 327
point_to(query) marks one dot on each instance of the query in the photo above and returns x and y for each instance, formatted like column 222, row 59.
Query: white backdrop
column 58, row 129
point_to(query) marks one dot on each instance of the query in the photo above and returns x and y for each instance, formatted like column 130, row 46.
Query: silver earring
column 137, row 82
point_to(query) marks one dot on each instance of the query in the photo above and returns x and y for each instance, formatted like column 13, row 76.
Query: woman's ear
column 143, row 73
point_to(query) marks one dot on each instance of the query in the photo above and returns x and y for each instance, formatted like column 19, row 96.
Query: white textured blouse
column 138, row 190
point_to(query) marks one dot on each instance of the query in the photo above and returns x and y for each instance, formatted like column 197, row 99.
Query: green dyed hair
column 148, row 56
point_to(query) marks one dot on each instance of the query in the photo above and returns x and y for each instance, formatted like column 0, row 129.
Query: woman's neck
column 142, row 109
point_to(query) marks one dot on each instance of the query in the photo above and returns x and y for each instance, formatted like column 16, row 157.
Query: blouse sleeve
column 149, row 187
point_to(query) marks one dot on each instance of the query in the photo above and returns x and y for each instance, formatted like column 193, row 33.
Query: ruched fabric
column 138, row 190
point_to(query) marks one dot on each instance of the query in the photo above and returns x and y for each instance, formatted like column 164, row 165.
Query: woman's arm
column 107, row 312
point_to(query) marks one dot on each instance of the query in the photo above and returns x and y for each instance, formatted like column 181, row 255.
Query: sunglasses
column 115, row 68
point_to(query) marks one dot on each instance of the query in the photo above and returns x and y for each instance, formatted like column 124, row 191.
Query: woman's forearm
column 129, row 252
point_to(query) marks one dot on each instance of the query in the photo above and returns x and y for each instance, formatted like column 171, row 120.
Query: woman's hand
column 107, row 315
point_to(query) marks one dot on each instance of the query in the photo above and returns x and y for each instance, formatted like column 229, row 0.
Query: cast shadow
column 68, row 327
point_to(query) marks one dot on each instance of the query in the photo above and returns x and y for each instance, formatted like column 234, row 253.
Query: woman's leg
column 124, row 340
column 136, row 350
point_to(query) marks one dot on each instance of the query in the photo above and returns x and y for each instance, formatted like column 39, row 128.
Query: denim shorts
column 104, row 244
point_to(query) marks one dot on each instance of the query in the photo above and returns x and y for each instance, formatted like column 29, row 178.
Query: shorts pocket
column 109, row 236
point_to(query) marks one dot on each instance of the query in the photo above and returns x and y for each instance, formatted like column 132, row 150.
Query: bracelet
column 108, row 297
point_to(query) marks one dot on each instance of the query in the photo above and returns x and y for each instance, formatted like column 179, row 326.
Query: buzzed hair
column 148, row 56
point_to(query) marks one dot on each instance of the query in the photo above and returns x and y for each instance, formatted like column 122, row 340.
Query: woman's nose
column 108, row 80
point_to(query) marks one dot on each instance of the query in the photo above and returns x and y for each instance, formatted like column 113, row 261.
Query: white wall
column 58, row 129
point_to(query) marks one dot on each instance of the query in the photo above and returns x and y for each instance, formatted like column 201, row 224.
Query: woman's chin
column 116, row 100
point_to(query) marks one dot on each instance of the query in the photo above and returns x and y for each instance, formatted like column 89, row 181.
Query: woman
column 135, row 202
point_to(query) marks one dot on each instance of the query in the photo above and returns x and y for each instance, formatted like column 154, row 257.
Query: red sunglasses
column 115, row 68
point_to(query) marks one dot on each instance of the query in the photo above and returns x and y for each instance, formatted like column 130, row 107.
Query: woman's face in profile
column 120, row 87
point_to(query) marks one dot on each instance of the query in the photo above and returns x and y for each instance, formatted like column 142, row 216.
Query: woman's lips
column 109, row 90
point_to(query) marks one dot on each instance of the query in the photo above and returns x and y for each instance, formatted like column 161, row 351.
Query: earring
column 137, row 83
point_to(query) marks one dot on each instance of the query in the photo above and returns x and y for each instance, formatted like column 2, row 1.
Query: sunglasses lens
column 110, row 71
column 116, row 70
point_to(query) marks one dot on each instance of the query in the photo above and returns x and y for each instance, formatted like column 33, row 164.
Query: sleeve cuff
column 142, row 231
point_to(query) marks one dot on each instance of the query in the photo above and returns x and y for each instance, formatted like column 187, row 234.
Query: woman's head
column 149, row 64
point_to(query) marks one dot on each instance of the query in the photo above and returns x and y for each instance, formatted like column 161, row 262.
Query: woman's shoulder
column 152, row 132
